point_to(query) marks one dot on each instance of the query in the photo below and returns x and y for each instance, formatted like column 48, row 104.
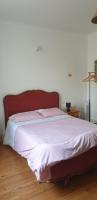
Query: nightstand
column 74, row 113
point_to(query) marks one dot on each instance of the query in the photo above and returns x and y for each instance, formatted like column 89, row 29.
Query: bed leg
column 66, row 180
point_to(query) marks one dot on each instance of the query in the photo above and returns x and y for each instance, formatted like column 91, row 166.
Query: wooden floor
column 17, row 182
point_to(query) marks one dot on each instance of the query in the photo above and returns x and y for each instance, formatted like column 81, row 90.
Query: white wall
column 92, row 56
column 23, row 68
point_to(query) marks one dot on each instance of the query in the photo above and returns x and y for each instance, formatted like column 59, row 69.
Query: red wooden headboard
column 28, row 101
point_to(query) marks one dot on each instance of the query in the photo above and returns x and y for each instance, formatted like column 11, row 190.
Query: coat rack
column 91, row 77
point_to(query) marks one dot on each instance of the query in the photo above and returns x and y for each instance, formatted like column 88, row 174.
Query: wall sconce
column 94, row 19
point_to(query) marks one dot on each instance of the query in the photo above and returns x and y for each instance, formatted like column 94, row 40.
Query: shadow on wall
column 86, row 111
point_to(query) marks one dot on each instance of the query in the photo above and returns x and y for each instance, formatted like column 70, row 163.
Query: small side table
column 74, row 113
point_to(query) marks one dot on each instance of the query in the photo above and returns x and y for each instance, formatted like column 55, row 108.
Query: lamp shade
column 94, row 19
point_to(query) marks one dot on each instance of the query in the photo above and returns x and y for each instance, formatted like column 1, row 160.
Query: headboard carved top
column 28, row 101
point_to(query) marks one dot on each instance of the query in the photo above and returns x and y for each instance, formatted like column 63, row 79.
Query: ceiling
column 67, row 15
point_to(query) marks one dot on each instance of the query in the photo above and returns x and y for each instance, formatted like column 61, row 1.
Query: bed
column 61, row 169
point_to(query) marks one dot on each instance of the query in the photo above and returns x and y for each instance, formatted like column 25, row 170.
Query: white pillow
column 25, row 116
column 49, row 112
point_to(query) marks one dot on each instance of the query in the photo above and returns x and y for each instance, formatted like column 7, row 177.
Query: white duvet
column 44, row 142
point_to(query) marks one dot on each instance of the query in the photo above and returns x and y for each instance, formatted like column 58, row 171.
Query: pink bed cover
column 46, row 141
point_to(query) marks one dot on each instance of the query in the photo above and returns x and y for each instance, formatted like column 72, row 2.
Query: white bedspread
column 47, row 141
